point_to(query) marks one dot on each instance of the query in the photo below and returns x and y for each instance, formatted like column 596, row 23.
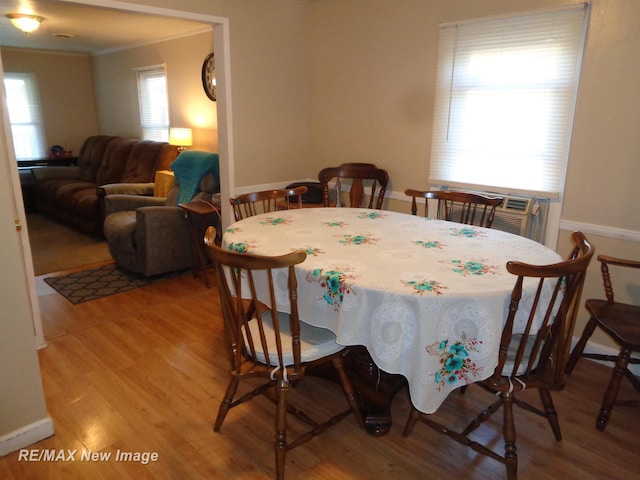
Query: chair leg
column 611, row 393
column 550, row 412
column 579, row 348
column 225, row 405
column 414, row 416
column 282, row 388
column 509, row 431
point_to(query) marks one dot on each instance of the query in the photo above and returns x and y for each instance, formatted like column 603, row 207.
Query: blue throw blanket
column 189, row 168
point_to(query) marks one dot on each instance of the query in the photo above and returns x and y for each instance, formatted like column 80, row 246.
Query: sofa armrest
column 126, row 189
column 132, row 189
column 47, row 173
column 118, row 203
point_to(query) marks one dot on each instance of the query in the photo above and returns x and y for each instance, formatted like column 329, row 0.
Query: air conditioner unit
column 514, row 215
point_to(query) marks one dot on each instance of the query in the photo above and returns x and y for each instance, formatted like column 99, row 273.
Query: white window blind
column 506, row 91
column 24, row 115
column 154, row 106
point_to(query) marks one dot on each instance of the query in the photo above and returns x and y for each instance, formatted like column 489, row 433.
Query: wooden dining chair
column 271, row 343
column 461, row 207
column 265, row 201
column 621, row 322
column 531, row 356
column 365, row 179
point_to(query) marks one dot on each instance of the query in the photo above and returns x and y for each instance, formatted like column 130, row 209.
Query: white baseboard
column 26, row 436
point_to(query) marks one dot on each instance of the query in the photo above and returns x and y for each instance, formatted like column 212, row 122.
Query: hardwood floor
column 144, row 371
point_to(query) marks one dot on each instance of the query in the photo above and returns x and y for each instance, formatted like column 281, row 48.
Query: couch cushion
column 143, row 159
column 85, row 203
column 63, row 196
column 114, row 160
column 90, row 155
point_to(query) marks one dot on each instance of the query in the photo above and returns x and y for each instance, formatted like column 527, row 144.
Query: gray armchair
column 150, row 235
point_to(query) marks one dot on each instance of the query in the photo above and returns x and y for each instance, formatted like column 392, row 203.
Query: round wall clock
column 209, row 76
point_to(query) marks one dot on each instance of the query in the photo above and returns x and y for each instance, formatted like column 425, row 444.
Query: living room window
column 24, row 115
column 154, row 105
column 505, row 98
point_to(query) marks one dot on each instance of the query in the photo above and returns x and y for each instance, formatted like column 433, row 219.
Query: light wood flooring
column 144, row 371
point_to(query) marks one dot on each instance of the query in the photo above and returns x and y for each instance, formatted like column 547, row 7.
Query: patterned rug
column 91, row 284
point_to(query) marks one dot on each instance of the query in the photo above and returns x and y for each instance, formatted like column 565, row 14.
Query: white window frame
column 25, row 115
column 515, row 146
column 153, row 102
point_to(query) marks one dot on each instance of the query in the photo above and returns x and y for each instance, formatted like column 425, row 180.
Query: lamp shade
column 180, row 137
column 24, row 22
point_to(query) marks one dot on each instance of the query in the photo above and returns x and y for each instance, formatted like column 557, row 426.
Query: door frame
column 221, row 40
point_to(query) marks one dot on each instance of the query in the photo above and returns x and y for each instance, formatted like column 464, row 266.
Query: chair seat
column 619, row 320
column 511, row 355
column 315, row 342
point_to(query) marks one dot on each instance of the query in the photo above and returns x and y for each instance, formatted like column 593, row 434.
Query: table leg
column 374, row 388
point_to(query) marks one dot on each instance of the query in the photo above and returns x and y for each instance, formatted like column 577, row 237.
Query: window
column 505, row 97
column 24, row 115
column 154, row 106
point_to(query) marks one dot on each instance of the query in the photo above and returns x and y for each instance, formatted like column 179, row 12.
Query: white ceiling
column 89, row 29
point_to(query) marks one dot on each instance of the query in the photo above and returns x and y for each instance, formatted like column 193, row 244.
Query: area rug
column 55, row 247
column 94, row 283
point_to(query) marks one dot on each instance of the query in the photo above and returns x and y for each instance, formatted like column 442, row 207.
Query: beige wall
column 65, row 87
column 115, row 78
column 373, row 73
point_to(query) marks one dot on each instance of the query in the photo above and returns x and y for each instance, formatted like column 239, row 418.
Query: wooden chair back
column 256, row 349
column 461, row 207
column 537, row 354
column 265, row 201
column 533, row 351
column 621, row 322
column 366, row 180
column 267, row 341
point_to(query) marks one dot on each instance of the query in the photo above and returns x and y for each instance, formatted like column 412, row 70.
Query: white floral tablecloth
column 428, row 298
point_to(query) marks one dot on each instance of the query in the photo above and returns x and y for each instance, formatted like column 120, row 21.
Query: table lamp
column 181, row 138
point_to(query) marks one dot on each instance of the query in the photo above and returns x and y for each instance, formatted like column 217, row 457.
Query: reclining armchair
column 150, row 235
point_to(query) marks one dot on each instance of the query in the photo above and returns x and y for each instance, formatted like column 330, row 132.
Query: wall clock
column 209, row 76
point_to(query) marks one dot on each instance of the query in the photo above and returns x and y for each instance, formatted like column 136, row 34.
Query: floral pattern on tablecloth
column 456, row 364
column 467, row 232
column 335, row 283
column 475, row 268
column 312, row 251
column 232, row 230
column 372, row 215
column 275, row 221
column 421, row 287
column 241, row 247
column 335, row 223
column 357, row 239
column 429, row 244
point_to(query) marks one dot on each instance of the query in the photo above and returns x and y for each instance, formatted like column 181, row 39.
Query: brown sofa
column 106, row 165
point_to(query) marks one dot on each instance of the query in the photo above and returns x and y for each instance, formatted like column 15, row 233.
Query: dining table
column 425, row 299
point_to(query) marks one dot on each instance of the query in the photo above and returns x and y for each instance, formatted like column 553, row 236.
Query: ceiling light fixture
column 26, row 23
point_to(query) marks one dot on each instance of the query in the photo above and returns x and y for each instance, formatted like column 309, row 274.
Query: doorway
column 225, row 135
